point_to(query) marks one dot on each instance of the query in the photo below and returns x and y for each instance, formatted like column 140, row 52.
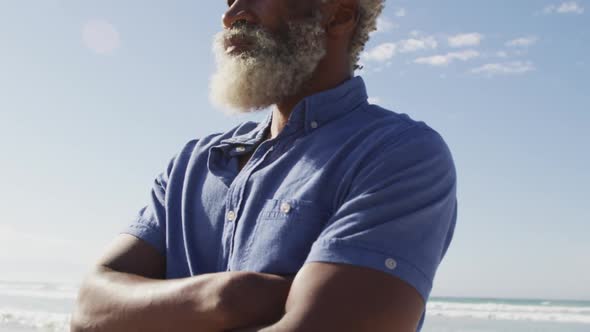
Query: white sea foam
column 503, row 311
column 42, row 321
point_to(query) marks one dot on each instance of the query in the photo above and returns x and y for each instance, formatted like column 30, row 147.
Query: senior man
column 330, row 215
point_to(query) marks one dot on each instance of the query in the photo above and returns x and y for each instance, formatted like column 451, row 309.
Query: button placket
column 236, row 192
column 231, row 216
column 227, row 247
column 285, row 208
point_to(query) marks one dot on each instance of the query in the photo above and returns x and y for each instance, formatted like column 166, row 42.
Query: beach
column 46, row 307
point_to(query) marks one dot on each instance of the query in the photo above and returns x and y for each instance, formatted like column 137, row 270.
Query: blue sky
column 96, row 96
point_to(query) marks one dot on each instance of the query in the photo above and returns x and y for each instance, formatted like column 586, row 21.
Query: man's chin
column 243, row 85
column 235, row 101
column 246, row 82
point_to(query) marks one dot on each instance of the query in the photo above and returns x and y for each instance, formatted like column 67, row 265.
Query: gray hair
column 369, row 11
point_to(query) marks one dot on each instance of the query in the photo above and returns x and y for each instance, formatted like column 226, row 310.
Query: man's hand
column 252, row 299
column 252, row 329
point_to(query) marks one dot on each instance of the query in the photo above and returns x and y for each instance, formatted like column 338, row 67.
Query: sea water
column 35, row 307
column 445, row 314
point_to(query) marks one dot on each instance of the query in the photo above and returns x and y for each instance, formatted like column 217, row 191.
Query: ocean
column 36, row 307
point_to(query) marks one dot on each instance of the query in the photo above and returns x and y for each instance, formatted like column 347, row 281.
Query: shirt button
column 240, row 149
column 285, row 207
column 313, row 124
column 231, row 216
column 390, row 263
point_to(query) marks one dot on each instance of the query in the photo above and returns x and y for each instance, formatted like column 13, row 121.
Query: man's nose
column 238, row 11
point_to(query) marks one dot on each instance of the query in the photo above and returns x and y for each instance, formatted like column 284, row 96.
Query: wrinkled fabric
column 344, row 182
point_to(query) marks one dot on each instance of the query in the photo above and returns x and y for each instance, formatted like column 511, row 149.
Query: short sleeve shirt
column 345, row 182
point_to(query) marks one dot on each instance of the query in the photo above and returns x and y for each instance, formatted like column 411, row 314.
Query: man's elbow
column 86, row 314
column 80, row 324
column 82, row 318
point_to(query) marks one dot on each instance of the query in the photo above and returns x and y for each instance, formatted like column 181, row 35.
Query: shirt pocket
column 283, row 235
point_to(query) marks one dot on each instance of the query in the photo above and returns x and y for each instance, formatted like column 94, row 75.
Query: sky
column 96, row 96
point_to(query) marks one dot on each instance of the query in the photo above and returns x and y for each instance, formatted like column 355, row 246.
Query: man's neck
column 283, row 110
column 331, row 71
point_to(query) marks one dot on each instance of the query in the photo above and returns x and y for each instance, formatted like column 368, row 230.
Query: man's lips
column 236, row 45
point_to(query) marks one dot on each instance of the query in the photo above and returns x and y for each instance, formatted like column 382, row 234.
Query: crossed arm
column 340, row 297
column 127, row 293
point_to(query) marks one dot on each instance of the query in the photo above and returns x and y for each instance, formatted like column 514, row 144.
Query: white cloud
column 385, row 25
column 445, row 60
column 417, row 44
column 508, row 68
column 465, row 39
column 569, row 7
column 101, row 37
column 522, row 42
column 380, row 53
column 401, row 12
column 502, row 54
column 386, row 51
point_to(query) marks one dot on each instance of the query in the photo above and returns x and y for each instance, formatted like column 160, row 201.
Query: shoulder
column 397, row 136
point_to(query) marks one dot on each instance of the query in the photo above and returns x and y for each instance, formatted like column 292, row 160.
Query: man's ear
column 340, row 17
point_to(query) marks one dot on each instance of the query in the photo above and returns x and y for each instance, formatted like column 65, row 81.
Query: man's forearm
column 253, row 329
column 114, row 301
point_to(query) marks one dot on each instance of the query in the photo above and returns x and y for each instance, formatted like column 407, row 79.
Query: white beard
column 273, row 70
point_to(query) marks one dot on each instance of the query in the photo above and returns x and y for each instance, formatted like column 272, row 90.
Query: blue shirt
column 344, row 182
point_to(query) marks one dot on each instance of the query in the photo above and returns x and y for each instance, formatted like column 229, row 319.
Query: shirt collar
column 252, row 137
column 312, row 112
column 329, row 105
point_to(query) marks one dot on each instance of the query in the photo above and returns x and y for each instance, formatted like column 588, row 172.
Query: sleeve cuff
column 147, row 234
column 339, row 251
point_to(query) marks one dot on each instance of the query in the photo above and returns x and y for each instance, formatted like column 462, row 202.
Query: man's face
column 267, row 51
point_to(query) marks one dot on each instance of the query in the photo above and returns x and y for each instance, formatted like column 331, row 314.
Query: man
column 330, row 215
